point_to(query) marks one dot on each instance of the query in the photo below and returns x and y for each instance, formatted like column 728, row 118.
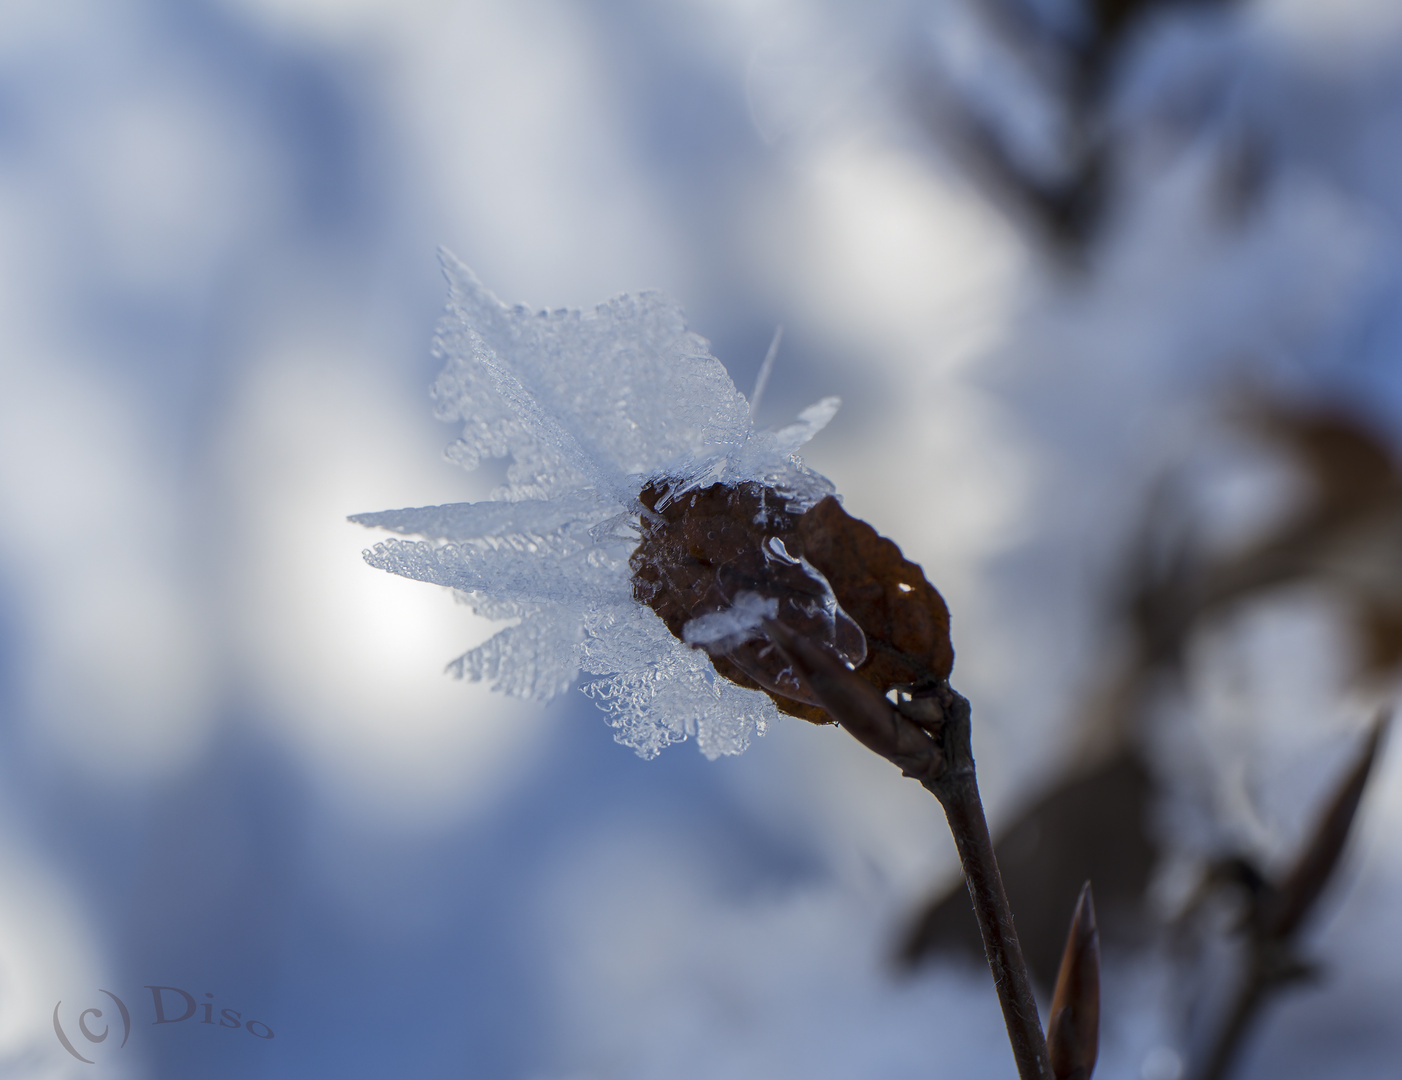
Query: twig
column 957, row 790
column 1268, row 971
column 1278, row 911
column 928, row 738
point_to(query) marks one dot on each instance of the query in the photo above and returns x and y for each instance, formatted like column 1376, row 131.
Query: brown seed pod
column 830, row 576
column 903, row 616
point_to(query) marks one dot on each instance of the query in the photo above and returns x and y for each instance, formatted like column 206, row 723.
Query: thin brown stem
column 995, row 922
column 928, row 737
column 957, row 791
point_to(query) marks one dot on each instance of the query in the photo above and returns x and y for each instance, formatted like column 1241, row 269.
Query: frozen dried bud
column 715, row 563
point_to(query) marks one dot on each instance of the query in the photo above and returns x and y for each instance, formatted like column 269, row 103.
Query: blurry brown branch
column 1075, row 67
column 1277, row 910
column 1343, row 535
column 1347, row 534
column 1064, row 210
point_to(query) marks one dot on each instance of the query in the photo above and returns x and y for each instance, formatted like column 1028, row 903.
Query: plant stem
column 1251, row 995
column 927, row 736
column 957, row 790
column 1279, row 909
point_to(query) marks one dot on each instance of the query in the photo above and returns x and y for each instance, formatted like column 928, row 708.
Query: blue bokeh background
column 229, row 761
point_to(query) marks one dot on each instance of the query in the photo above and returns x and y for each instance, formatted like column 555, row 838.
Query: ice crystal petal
column 535, row 519
column 659, row 691
column 627, row 384
column 625, row 637
column 589, row 407
column 653, row 708
column 529, row 572
column 535, row 659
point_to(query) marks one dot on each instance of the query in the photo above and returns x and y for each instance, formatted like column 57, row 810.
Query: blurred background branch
column 1071, row 59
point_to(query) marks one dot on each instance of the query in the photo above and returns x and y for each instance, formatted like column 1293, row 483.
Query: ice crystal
column 590, row 408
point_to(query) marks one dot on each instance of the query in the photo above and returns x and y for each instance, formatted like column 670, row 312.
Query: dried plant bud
column 719, row 559
column 1285, row 907
column 1073, row 1025
column 716, row 563
column 903, row 616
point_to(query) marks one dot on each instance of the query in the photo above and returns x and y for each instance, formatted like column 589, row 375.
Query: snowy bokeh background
column 231, row 760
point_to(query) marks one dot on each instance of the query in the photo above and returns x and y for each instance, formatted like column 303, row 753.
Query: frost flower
column 616, row 421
